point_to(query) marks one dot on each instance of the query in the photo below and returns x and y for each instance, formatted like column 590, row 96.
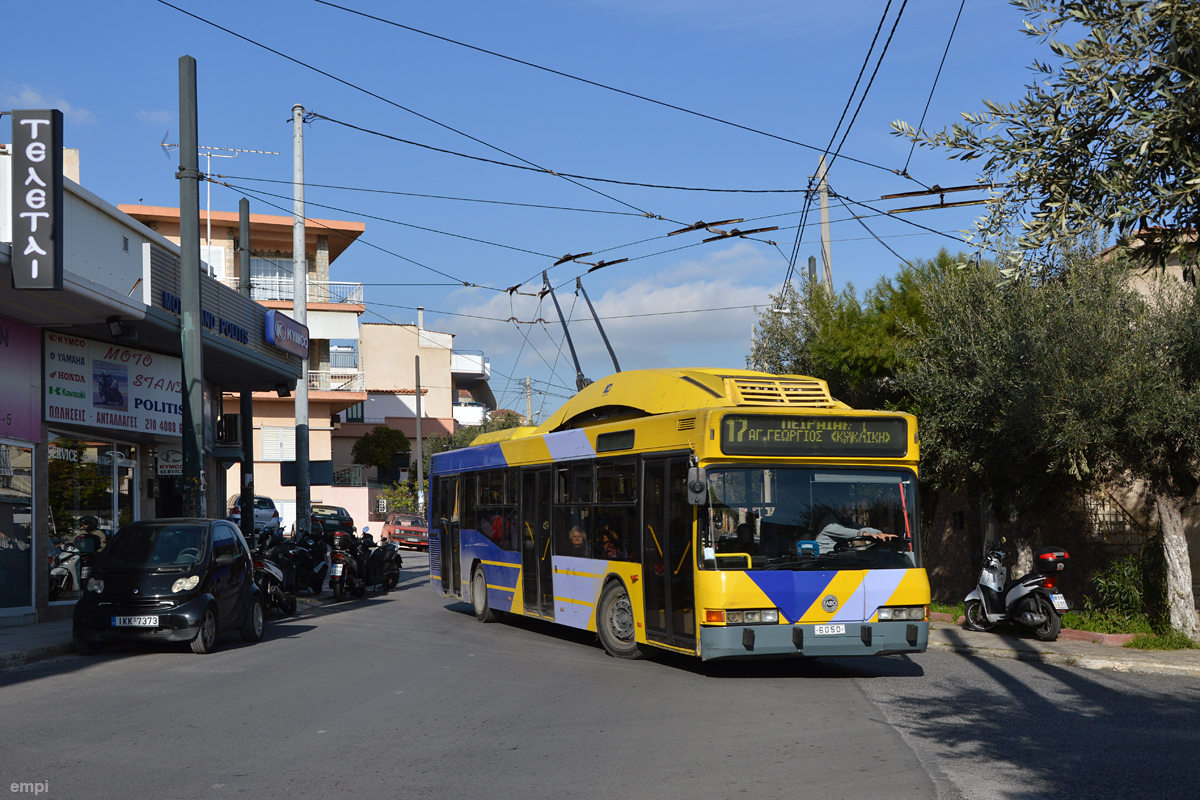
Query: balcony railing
column 337, row 380
column 318, row 291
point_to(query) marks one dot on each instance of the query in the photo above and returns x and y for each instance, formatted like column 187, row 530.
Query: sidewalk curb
column 19, row 658
column 1064, row 660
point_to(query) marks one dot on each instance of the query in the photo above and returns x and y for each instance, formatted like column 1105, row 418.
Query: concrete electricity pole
column 300, row 312
column 420, row 454
column 826, row 252
column 528, row 401
column 191, row 344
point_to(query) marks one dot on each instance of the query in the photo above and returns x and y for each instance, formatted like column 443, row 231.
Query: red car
column 406, row 530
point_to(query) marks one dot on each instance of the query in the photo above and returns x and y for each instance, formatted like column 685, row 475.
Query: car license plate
column 1060, row 602
column 411, row 539
column 826, row 630
column 135, row 622
column 337, row 569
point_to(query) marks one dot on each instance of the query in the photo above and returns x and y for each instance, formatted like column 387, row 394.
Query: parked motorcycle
column 71, row 565
column 276, row 579
column 310, row 555
column 347, row 566
column 382, row 563
column 1030, row 601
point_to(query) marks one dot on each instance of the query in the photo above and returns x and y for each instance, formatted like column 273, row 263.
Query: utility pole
column 300, row 313
column 191, row 344
column 420, row 456
column 246, row 407
column 528, row 402
column 826, row 252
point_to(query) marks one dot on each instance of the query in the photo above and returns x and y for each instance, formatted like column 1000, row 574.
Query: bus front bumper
column 859, row 639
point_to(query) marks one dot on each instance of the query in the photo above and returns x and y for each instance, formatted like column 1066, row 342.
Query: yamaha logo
column 830, row 603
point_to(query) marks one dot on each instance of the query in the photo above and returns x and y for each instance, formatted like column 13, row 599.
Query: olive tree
column 1104, row 135
column 1045, row 388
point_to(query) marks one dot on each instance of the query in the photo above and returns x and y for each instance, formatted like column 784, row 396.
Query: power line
column 510, row 165
column 592, row 83
column 934, row 87
column 393, row 103
column 397, row 222
column 434, row 196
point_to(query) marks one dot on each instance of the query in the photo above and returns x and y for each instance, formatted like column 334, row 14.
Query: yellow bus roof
column 647, row 392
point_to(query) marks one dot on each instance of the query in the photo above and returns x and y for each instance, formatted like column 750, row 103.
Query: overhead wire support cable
column 591, row 82
column 393, row 103
column 932, row 89
column 420, row 195
column 542, row 170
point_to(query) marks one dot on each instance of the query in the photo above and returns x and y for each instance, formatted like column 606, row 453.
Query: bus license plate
column 825, row 630
column 1060, row 602
column 135, row 622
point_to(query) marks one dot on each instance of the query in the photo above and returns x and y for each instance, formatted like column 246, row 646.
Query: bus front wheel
column 615, row 624
column 483, row 611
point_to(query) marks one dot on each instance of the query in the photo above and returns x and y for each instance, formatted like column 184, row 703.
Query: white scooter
column 1030, row 601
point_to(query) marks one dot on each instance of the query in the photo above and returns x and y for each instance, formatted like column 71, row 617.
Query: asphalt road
column 405, row 696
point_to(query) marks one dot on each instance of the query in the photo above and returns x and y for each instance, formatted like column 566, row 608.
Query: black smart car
column 170, row 580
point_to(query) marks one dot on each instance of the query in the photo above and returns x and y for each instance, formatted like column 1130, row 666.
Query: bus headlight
column 749, row 616
column 898, row 613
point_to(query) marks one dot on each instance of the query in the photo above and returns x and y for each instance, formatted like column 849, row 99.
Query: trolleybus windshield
column 808, row 518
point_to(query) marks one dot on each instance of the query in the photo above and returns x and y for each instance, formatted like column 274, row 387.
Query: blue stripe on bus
column 793, row 592
column 472, row 458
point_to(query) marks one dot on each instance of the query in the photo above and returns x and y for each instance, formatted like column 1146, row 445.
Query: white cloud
column 26, row 96
column 156, row 118
column 642, row 313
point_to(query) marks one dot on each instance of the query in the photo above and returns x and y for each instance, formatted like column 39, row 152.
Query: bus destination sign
column 776, row 435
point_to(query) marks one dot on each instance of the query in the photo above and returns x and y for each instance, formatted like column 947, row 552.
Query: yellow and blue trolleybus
column 719, row 513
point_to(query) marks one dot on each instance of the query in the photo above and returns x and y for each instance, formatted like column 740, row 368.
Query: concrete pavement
column 25, row 643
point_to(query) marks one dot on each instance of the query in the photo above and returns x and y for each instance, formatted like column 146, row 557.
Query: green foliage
column 1023, row 386
column 401, row 497
column 379, row 448
column 954, row 609
column 1170, row 640
column 1104, row 621
column 1105, row 135
column 857, row 347
column 1118, row 587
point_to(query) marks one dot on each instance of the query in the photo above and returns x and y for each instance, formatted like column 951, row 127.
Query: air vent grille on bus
column 688, row 424
column 785, row 392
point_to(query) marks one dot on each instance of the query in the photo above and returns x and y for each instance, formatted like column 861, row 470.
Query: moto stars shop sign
column 107, row 386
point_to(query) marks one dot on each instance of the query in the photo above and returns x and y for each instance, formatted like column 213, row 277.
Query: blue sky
column 778, row 67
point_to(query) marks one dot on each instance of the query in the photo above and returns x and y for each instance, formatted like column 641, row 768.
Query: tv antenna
column 209, row 154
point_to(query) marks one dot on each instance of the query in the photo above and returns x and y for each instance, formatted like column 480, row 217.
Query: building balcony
column 318, row 291
column 337, row 380
column 470, row 364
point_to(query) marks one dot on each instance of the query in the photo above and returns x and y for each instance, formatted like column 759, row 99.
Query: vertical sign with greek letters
column 37, row 199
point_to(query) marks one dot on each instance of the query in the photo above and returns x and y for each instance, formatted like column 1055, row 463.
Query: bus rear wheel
column 483, row 611
column 615, row 624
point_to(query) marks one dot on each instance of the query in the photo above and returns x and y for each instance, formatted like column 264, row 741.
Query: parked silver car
column 266, row 515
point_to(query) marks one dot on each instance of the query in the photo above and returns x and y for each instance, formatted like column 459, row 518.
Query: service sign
column 840, row 437
column 286, row 334
column 170, row 462
column 37, row 200
column 109, row 386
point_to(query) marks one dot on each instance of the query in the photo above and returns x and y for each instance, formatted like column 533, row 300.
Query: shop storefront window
column 16, row 526
column 92, row 491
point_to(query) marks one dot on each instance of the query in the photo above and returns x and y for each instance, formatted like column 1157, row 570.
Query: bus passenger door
column 446, row 514
column 667, row 560
column 536, row 574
